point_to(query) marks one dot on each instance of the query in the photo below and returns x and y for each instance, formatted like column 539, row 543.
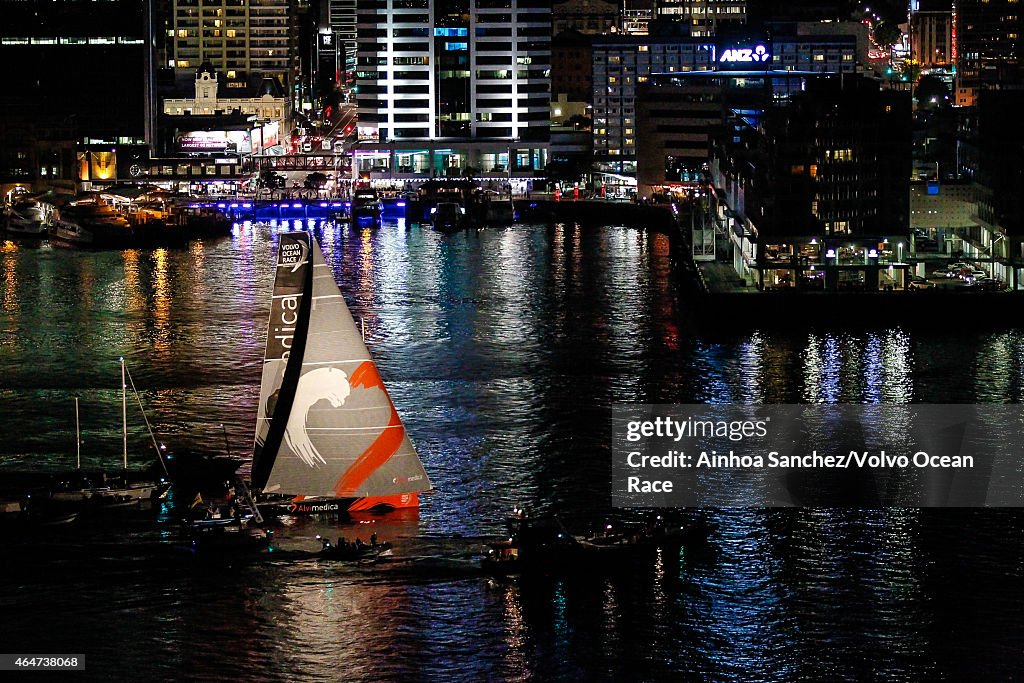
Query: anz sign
column 757, row 56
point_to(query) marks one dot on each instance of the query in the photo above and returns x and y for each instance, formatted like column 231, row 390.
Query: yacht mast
column 124, row 416
column 78, row 439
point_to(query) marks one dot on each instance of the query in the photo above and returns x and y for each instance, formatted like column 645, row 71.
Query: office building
column 988, row 131
column 815, row 193
column 704, row 18
column 450, row 85
column 586, row 16
column 931, row 39
column 73, row 59
column 986, row 45
column 622, row 63
column 237, row 37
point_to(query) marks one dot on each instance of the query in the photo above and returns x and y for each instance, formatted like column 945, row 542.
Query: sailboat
column 328, row 437
column 120, row 491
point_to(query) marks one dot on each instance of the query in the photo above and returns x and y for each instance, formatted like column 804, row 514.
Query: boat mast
column 124, row 416
column 78, row 439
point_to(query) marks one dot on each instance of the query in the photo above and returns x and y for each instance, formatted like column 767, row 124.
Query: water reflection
column 503, row 350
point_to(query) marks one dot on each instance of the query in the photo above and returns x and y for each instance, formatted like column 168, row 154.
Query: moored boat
column 366, row 207
column 449, row 216
column 107, row 491
column 68, row 229
column 28, row 218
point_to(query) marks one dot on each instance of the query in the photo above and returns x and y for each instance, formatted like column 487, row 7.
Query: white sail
column 325, row 413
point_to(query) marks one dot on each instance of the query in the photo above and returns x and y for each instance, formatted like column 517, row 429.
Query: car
column 918, row 282
column 978, row 272
column 959, row 265
column 990, row 284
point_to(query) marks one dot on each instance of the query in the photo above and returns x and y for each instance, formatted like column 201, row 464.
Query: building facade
column 594, row 17
column 238, row 37
column 931, row 39
column 704, row 18
column 458, row 83
column 986, row 46
column 67, row 59
column 816, row 194
column 622, row 63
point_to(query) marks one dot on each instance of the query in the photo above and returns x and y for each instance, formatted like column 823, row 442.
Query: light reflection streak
column 162, row 302
column 11, row 302
column 134, row 299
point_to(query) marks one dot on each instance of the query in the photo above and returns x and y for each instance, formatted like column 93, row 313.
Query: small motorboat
column 366, row 207
column 354, row 552
column 225, row 535
column 545, row 547
column 449, row 216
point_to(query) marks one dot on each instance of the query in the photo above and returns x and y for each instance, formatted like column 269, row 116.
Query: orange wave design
column 382, row 448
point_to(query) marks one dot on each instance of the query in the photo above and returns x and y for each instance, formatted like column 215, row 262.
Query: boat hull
column 112, row 496
column 326, row 506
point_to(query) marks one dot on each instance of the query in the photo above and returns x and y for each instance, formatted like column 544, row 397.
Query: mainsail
column 326, row 426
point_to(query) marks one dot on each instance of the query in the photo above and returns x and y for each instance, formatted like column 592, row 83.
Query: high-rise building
column 816, row 191
column 636, row 17
column 469, row 70
column 987, row 132
column 704, row 17
column 931, row 39
column 237, row 37
column 986, row 45
column 454, row 68
column 622, row 63
column 337, row 41
column 585, row 16
column 72, row 59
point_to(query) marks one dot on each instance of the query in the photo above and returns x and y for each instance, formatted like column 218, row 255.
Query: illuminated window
column 642, row 48
column 182, row 33
column 231, row 74
column 814, row 170
column 182, row 63
column 629, row 131
column 232, row 33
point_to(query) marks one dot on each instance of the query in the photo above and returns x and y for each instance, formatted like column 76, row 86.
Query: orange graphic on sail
column 383, row 447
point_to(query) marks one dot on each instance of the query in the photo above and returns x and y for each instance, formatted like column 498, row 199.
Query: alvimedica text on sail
column 729, row 455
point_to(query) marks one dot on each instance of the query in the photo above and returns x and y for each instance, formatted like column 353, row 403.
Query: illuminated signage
column 215, row 141
column 745, row 55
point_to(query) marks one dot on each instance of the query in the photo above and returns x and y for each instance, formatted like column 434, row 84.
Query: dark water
column 503, row 351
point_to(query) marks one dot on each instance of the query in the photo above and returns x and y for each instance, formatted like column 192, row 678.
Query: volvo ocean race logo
column 758, row 54
column 322, row 384
column 285, row 313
